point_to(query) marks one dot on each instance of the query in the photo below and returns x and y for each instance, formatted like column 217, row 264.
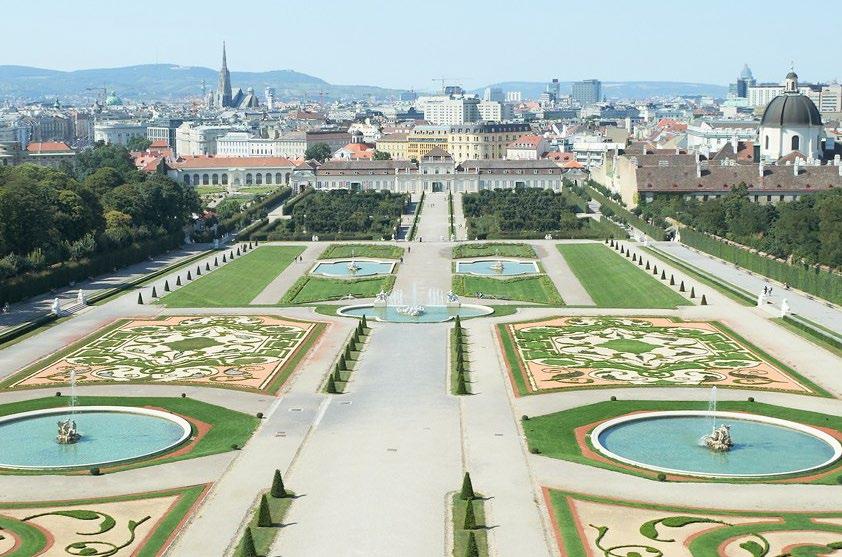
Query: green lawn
column 460, row 535
column 375, row 251
column 309, row 289
column 236, row 283
column 488, row 249
column 538, row 289
column 228, row 427
column 612, row 281
column 553, row 435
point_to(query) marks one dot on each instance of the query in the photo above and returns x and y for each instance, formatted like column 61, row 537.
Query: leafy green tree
column 318, row 151
column 138, row 143
column 382, row 155
column 101, row 155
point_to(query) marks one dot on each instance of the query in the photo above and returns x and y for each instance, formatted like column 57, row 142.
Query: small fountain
column 719, row 438
column 497, row 266
column 67, row 432
column 352, row 265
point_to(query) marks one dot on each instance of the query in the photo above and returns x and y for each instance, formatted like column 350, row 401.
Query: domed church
column 791, row 122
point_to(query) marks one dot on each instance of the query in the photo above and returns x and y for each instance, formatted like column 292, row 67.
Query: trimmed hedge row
column 414, row 228
column 255, row 211
column 652, row 231
column 811, row 279
column 28, row 285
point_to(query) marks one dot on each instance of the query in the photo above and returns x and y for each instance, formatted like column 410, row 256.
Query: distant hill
column 151, row 82
column 620, row 89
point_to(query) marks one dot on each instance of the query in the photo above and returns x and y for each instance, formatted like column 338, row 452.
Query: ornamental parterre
column 582, row 352
column 237, row 351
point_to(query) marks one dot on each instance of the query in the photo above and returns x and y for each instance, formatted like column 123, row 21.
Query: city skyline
column 350, row 49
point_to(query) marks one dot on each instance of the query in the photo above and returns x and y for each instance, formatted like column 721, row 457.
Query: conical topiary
column 216, row 262
column 342, row 364
column 247, row 545
column 140, row 298
column 470, row 517
column 704, row 301
column 207, row 266
column 681, row 287
column 264, row 515
column 364, row 322
column 472, row 549
column 189, row 276
column 647, row 266
column 663, row 275
column 238, row 250
column 154, row 292
column 467, row 492
column 278, row 490
column 458, row 322
column 461, row 386
column 692, row 292
column 634, row 257
column 198, row 271
column 178, row 280
column 672, row 280
column 166, row 286
column 224, row 258
column 654, row 269
column 331, row 385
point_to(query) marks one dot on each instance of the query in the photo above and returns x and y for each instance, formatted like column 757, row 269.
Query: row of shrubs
column 460, row 362
column 67, row 273
column 277, row 498
column 639, row 261
column 469, row 526
column 257, row 210
column 338, row 379
column 620, row 213
column 414, row 228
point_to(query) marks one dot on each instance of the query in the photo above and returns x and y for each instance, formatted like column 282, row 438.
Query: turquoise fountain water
column 497, row 267
column 353, row 268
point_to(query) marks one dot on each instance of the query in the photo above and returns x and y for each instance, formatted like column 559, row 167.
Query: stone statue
column 80, row 297
column 67, row 434
column 56, row 307
column 453, row 300
column 381, row 299
column 784, row 308
column 719, row 439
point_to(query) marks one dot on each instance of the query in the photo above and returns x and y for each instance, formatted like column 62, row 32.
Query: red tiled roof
column 159, row 143
column 528, row 141
column 48, row 147
column 209, row 161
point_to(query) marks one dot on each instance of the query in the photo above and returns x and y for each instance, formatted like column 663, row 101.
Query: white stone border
column 534, row 263
column 485, row 311
column 601, row 428
column 318, row 262
column 186, row 430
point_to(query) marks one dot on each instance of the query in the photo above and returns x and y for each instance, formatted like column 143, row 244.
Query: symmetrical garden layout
column 593, row 526
column 142, row 524
column 586, row 352
column 255, row 352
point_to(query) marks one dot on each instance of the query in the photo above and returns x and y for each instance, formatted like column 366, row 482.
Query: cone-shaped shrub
column 331, row 385
column 460, row 365
column 224, row 258
column 247, row 545
column 256, row 243
column 154, row 292
column 467, row 492
column 634, row 257
column 470, row 517
column 672, row 280
column 189, row 276
column 457, row 321
column 681, row 286
column 704, row 301
column 264, row 516
column 198, row 271
column 347, row 355
column 647, row 266
column 278, row 490
column 207, row 266
column 140, row 298
column 472, row 549
column 692, row 292
column 231, row 253
column 654, row 269
column 216, row 262
column 364, row 322
column 341, row 363
column 178, row 280
column 249, row 244
column 238, row 250
column 461, row 387
column 166, row 286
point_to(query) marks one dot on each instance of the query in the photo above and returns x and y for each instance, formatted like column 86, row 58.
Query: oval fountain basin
column 431, row 314
column 110, row 434
column 484, row 267
column 671, row 442
column 340, row 268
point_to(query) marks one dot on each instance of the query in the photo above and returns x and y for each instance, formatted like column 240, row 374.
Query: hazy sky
column 407, row 44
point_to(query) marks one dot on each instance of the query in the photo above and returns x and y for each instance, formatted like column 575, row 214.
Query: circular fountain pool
column 110, row 434
column 356, row 268
column 430, row 314
column 671, row 442
column 497, row 267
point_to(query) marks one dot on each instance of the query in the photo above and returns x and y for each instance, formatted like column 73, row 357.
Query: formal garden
column 589, row 525
column 374, row 251
column 530, row 213
column 338, row 215
column 533, row 289
column 142, row 524
column 567, row 353
column 255, row 352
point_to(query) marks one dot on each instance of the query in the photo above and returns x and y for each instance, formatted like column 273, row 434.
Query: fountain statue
column 453, row 300
column 56, row 307
column 412, row 311
column 352, row 265
column 497, row 266
column 67, row 432
column 381, row 300
column 719, row 439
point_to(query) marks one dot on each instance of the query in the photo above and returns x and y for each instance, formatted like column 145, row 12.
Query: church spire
column 223, row 90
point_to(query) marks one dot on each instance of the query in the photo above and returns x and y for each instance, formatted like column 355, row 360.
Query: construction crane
column 443, row 80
